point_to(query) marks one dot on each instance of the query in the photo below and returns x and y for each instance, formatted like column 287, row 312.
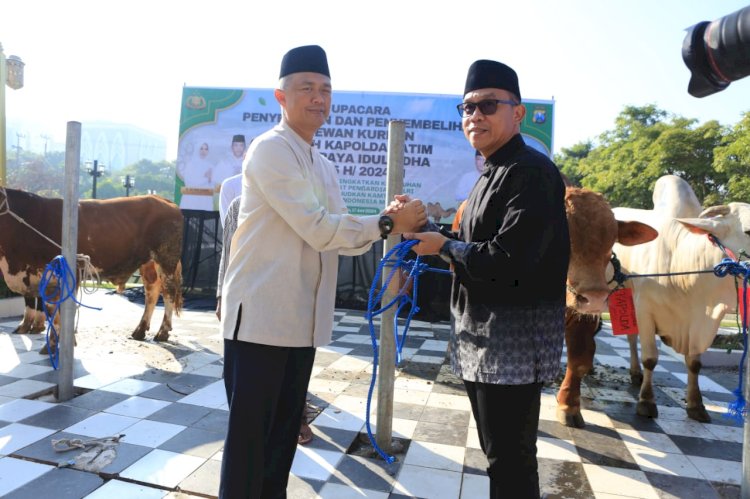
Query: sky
column 127, row 62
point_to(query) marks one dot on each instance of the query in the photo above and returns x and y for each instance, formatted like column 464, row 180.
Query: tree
column 732, row 158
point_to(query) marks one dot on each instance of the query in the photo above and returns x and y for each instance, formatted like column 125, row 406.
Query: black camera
column 717, row 52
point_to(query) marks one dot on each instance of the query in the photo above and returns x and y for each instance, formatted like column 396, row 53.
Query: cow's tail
column 173, row 288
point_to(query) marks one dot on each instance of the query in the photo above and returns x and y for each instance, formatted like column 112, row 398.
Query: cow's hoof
column 570, row 420
column 161, row 336
column 44, row 350
column 636, row 379
column 139, row 334
column 699, row 414
column 647, row 409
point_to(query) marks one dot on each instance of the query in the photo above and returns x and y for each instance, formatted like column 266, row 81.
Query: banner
column 217, row 125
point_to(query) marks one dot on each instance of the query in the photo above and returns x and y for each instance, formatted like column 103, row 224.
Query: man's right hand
column 410, row 217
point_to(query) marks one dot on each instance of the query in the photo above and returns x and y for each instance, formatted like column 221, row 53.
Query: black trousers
column 507, row 419
column 266, row 388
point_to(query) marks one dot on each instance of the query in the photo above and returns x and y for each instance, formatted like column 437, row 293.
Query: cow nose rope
column 56, row 285
column 394, row 259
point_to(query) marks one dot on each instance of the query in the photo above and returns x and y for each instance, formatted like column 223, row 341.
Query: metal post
column 69, row 251
column 3, row 150
column 95, row 174
column 387, row 354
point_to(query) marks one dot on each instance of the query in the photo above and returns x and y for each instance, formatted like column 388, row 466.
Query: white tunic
column 283, row 263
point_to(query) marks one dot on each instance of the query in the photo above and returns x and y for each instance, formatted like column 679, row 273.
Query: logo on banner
column 195, row 102
column 539, row 116
column 622, row 312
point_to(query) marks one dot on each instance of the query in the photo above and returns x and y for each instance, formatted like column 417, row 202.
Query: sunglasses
column 487, row 107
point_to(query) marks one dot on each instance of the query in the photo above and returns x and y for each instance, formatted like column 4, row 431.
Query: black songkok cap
column 238, row 138
column 491, row 74
column 307, row 59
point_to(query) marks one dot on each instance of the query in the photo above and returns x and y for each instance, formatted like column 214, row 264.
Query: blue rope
column 414, row 268
column 737, row 409
column 58, row 283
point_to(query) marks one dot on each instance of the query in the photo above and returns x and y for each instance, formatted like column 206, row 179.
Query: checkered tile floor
column 174, row 422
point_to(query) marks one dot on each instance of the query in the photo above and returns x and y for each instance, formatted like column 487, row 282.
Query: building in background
column 115, row 145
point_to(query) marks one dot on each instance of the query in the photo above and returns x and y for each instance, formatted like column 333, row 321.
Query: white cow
column 684, row 310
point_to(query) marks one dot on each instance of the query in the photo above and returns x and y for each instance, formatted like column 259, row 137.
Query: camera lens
column 717, row 53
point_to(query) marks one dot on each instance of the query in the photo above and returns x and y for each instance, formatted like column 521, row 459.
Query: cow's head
column 593, row 232
column 730, row 224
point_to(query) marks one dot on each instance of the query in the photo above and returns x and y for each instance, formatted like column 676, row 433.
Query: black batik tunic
column 508, row 294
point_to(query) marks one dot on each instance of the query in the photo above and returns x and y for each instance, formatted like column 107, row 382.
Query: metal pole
column 387, row 354
column 69, row 250
column 94, row 173
column 3, row 151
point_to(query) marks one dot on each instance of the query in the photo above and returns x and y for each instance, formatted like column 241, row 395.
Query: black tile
column 553, row 429
column 680, row 487
column 441, row 433
column 602, row 447
column 727, row 490
column 97, row 400
column 216, row 420
column 60, row 483
column 703, row 447
column 195, row 442
column 186, row 384
column 563, row 479
column 475, row 462
column 365, row 473
column 452, row 417
column 302, row 488
column 627, row 419
column 156, row 376
column 181, row 414
column 412, row 412
column 4, row 380
column 332, row 439
column 58, row 417
column 162, row 392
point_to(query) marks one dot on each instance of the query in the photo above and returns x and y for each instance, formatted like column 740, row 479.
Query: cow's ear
column 632, row 233
column 705, row 226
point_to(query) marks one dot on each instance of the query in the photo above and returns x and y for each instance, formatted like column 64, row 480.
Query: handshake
column 408, row 215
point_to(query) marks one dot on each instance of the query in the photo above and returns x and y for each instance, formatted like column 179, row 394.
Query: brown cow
column 119, row 235
column 593, row 232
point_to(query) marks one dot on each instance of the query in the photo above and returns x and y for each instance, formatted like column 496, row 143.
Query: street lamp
column 128, row 182
column 11, row 73
column 95, row 170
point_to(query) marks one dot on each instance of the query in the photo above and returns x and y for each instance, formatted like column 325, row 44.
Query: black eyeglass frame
column 482, row 106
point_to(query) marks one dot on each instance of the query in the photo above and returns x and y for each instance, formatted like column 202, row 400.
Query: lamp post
column 11, row 73
column 128, row 182
column 95, row 170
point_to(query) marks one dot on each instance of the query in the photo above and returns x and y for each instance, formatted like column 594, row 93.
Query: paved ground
column 168, row 402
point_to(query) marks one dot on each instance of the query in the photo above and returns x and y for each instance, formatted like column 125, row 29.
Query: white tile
column 117, row 488
column 130, row 386
column 647, row 440
column 409, row 396
column 662, row 462
column 94, row 381
column 609, row 480
column 213, row 396
column 320, row 386
column 554, row 448
column 427, row 359
column 474, row 486
column 401, row 428
column 684, row 428
column 349, row 363
column 18, row 409
column 672, row 413
column 15, row 473
column 597, row 418
column 137, row 407
column 163, row 468
column 315, row 463
column 718, row 470
column 448, row 401
column 24, row 388
column 25, row 370
column 358, row 339
column 212, row 370
column 434, row 345
column 472, row 439
column 705, row 383
column 340, row 491
column 612, row 360
column 17, row 436
column 417, row 481
column 102, row 425
column 721, row 432
column 196, row 360
column 151, row 433
column 334, row 349
column 608, row 394
column 438, row 456
column 420, row 385
column 333, row 417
